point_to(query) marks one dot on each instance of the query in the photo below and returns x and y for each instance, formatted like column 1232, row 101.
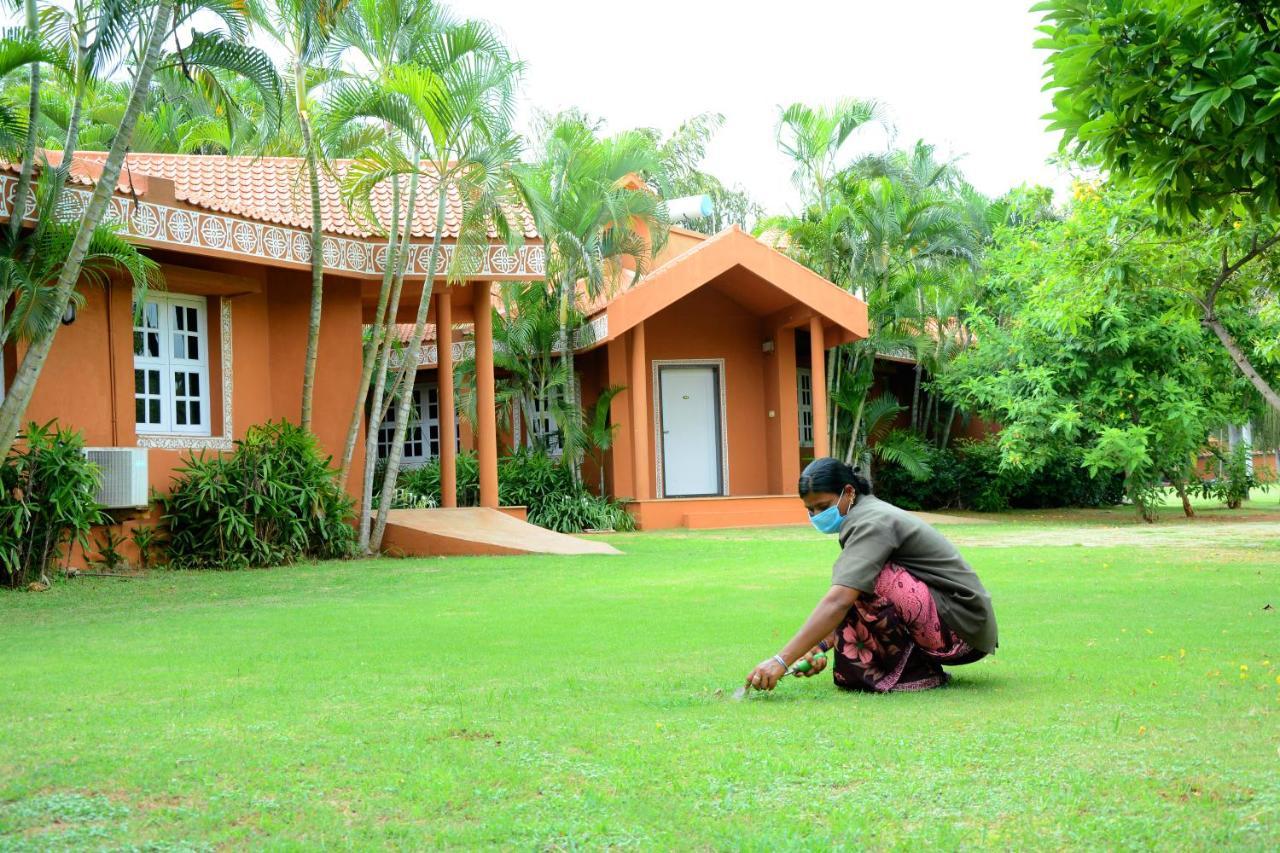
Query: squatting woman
column 903, row 602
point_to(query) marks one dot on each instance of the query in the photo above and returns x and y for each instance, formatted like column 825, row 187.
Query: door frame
column 721, row 426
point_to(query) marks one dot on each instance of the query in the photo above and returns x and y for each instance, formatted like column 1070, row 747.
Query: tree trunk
column 374, row 345
column 15, row 402
column 1242, row 361
column 946, row 433
column 317, row 256
column 376, row 408
column 857, row 425
column 408, row 373
column 569, row 392
column 1187, row 509
column 835, row 367
column 19, row 210
column 915, row 398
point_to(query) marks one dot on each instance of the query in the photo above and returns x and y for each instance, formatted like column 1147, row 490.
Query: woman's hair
column 832, row 475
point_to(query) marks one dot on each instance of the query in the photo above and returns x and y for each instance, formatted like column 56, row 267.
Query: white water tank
column 689, row 207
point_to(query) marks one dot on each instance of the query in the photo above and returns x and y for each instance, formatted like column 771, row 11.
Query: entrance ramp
column 474, row 531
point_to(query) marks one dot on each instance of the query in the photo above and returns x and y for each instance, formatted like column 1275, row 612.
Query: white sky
column 961, row 75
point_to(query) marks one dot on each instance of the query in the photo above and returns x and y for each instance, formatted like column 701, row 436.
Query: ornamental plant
column 47, row 490
column 274, row 500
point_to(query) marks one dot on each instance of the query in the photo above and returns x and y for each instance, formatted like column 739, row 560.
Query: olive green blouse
column 875, row 532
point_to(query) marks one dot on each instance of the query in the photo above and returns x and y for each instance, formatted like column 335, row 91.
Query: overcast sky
column 962, row 75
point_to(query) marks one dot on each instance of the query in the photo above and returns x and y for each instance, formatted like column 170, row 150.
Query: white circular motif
column 213, row 231
column 145, row 222
column 331, row 253
column 246, row 237
column 356, row 255
column 380, row 258
column 503, row 261
column 442, row 259
column 275, row 242
column 302, row 248
column 115, row 213
column 537, row 260
column 180, row 226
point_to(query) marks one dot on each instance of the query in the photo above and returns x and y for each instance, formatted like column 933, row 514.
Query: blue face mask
column 829, row 520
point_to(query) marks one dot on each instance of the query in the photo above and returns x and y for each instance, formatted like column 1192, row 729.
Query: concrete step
column 471, row 531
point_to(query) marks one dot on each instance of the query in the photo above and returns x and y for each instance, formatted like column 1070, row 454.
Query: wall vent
column 124, row 483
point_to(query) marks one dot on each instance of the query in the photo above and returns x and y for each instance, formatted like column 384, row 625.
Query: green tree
column 454, row 106
column 681, row 174
column 1180, row 99
column 139, row 32
column 1084, row 340
column 302, row 29
column 593, row 213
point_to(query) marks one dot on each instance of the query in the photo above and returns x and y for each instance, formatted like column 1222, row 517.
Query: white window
column 171, row 365
column 422, row 435
column 544, row 430
column 804, row 389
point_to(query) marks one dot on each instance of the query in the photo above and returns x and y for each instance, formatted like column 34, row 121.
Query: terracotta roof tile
column 273, row 189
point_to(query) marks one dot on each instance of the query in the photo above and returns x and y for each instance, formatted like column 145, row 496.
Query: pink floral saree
column 895, row 640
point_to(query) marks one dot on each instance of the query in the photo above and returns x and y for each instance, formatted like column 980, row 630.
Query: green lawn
column 557, row 702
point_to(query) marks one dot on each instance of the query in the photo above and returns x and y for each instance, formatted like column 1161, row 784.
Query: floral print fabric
column 895, row 640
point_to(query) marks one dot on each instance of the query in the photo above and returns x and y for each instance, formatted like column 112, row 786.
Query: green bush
column 527, row 478
column 1237, row 480
column 47, row 490
column 969, row 476
column 272, row 501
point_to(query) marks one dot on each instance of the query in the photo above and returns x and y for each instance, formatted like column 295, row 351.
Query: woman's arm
column 822, row 622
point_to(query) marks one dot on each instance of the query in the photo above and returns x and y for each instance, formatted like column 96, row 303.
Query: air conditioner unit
column 124, row 483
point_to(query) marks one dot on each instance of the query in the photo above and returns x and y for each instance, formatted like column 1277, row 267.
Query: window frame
column 804, row 377
column 168, row 364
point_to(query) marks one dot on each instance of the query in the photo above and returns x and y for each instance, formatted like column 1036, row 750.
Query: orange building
column 717, row 345
column 221, row 347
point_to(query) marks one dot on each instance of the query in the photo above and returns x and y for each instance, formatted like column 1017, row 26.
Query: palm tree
column 140, row 31
column 593, row 212
column 453, row 105
column 302, row 29
column 381, row 36
column 813, row 138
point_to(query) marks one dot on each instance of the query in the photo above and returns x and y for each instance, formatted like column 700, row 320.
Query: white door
column 690, row 431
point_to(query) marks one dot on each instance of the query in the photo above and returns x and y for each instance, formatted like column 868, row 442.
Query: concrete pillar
column 486, row 414
column 619, row 465
column 448, row 409
column 784, row 352
column 639, row 391
column 817, row 358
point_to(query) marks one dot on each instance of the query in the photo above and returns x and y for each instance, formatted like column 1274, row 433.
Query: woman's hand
column 766, row 675
column 817, row 662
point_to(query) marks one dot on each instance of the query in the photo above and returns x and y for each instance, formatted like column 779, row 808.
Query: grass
column 554, row 702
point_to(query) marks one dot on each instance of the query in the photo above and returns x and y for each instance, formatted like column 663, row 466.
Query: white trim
column 718, row 363
column 224, row 441
column 261, row 242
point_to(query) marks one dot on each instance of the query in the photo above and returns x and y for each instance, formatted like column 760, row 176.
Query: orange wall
column 89, row 369
column 707, row 324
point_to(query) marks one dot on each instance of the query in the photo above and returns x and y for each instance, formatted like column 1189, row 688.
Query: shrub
column 1237, row 479
column 47, row 490
column 527, row 478
column 272, row 501
column 969, row 476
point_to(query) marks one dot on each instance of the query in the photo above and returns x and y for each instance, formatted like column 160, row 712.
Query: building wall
column 87, row 382
column 710, row 325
